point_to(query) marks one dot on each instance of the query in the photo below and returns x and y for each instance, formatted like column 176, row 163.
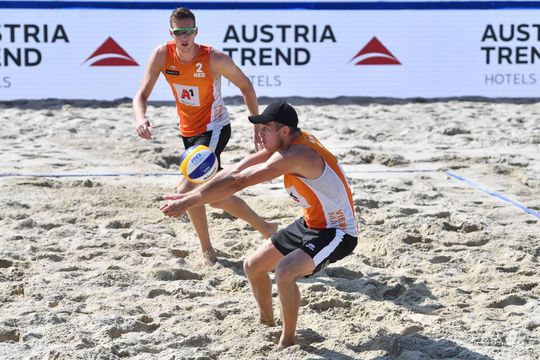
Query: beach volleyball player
column 313, row 178
column 194, row 72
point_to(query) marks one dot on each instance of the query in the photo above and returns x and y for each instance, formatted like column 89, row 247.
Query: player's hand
column 257, row 137
column 143, row 129
column 176, row 208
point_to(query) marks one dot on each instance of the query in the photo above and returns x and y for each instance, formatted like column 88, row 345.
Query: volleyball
column 198, row 164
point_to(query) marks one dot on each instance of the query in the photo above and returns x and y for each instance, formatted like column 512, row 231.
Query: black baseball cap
column 280, row 112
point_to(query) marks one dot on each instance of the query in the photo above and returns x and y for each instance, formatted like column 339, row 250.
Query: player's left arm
column 223, row 65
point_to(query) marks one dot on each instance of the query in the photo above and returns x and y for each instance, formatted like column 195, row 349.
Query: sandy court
column 91, row 269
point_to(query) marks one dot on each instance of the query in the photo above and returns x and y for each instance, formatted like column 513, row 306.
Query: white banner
column 102, row 54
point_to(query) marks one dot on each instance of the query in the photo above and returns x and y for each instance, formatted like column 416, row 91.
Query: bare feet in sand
column 283, row 344
column 270, row 323
column 209, row 257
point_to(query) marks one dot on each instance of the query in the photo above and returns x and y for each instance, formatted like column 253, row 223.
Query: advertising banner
column 101, row 54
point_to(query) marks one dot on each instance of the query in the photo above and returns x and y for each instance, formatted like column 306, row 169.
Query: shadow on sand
column 390, row 346
column 402, row 290
column 416, row 347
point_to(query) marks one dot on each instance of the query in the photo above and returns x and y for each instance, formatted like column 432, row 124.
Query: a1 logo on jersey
column 188, row 95
column 199, row 73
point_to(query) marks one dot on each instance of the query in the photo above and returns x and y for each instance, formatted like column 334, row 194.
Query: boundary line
column 493, row 193
column 453, row 175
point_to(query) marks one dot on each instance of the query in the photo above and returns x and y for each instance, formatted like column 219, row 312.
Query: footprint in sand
column 455, row 130
column 4, row 263
column 391, row 159
column 196, row 341
column 366, row 203
column 341, row 272
column 157, row 292
column 507, row 269
column 90, row 255
column 306, row 337
column 16, row 204
column 25, row 224
column 168, row 161
column 50, row 256
column 119, row 224
column 9, row 334
column 510, row 300
column 411, row 238
column 327, row 304
column 176, row 274
column 394, row 292
column 84, row 183
column 49, row 226
column 130, row 325
column 179, row 253
column 440, row 259
column 317, row 287
column 465, row 227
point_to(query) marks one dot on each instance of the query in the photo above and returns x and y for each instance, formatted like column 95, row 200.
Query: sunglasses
column 184, row 31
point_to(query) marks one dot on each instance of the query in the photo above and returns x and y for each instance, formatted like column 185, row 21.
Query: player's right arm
column 221, row 187
column 140, row 101
column 253, row 159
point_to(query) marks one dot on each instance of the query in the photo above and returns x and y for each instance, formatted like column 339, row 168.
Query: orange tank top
column 198, row 98
column 327, row 200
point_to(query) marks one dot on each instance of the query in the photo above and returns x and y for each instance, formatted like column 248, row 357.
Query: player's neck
column 287, row 142
column 188, row 54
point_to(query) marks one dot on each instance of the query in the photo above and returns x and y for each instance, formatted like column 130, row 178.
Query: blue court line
column 250, row 5
column 493, row 193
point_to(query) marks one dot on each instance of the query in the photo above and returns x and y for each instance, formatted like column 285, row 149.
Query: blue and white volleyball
column 198, row 164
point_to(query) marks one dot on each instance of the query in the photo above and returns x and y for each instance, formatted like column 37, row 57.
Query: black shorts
column 214, row 139
column 324, row 246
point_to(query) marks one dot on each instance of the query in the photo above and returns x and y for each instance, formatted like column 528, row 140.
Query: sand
column 91, row 269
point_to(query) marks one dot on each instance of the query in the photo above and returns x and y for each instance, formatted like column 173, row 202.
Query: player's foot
column 283, row 344
column 209, row 257
column 270, row 323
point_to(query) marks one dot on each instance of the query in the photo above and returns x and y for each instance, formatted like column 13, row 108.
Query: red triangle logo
column 375, row 53
column 111, row 54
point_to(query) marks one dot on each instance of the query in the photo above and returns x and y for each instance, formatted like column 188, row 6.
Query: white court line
column 493, row 193
column 348, row 170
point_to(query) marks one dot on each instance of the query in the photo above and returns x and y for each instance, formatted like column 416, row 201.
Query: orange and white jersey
column 327, row 200
column 198, row 97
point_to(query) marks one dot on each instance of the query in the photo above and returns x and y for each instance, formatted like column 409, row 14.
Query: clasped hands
column 177, row 207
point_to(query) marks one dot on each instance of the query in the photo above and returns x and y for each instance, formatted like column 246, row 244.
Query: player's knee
column 216, row 204
column 251, row 265
column 284, row 275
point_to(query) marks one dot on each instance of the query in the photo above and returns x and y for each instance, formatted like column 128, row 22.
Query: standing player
column 194, row 73
column 314, row 179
